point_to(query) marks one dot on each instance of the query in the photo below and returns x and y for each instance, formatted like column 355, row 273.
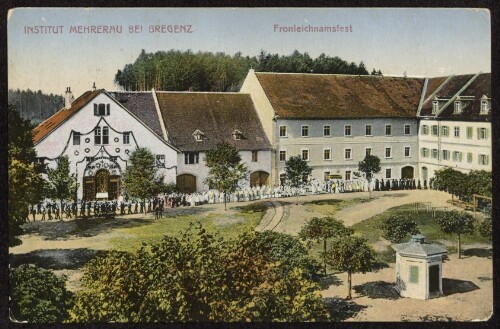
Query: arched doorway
column 407, row 172
column 259, row 178
column 102, row 184
column 186, row 183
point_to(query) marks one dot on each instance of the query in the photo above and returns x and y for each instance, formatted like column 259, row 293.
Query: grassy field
column 236, row 221
column 329, row 207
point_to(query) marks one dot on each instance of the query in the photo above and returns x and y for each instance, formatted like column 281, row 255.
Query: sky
column 421, row 42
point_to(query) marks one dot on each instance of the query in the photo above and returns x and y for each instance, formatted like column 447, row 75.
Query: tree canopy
column 369, row 166
column 296, row 170
column 206, row 71
column 141, row 179
column 463, row 185
column 60, row 184
column 197, row 277
column 225, row 168
column 397, row 228
column 35, row 105
column 459, row 223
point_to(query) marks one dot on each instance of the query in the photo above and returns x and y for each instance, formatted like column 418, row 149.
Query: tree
column 38, row 295
column 369, row 166
column 24, row 176
column 451, row 181
column 459, row 223
column 198, row 277
column 486, row 228
column 397, row 228
column 322, row 229
column 60, row 184
column 296, row 170
column 479, row 182
column 225, row 169
column 351, row 254
column 141, row 179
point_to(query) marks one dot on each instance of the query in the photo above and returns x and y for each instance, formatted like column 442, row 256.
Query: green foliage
column 225, row 169
column 141, row 180
column 288, row 250
column 169, row 188
column 197, row 277
column 35, row 105
column 24, row 181
column 38, row 295
column 397, row 228
column 463, row 185
column 369, row 166
column 60, row 184
column 206, row 71
column 351, row 254
column 322, row 229
column 486, row 228
column 454, row 222
column 479, row 182
column 296, row 169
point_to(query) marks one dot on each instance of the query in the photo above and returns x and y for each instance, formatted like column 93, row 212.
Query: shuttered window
column 413, row 274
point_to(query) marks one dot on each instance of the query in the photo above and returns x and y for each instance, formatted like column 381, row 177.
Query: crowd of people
column 51, row 210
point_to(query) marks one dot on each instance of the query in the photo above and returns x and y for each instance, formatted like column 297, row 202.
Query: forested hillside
column 34, row 105
column 206, row 71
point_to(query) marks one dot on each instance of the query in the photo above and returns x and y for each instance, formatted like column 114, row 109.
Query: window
column 305, row 131
column 388, row 152
column 327, row 154
column 445, row 131
column 388, row 173
column 485, row 106
column 446, row 155
column 305, row 155
column 105, row 135
column 482, row 133
column 282, row 155
column 326, row 176
column 347, row 130
column 425, row 130
column 407, row 151
column 126, row 137
column 413, row 274
column 326, row 131
column 198, row 135
column 425, row 152
column 470, row 133
column 348, row 154
column 97, row 135
column 237, row 135
column 348, row 175
column 469, row 157
column 456, row 131
column 435, row 130
column 283, row 131
column 458, row 108
column 368, row 151
column 388, row 130
column 101, row 109
column 435, row 154
column 368, row 130
column 435, row 107
column 191, row 158
column 160, row 160
column 255, row 156
column 457, row 156
column 407, row 130
column 76, row 138
column 483, row 159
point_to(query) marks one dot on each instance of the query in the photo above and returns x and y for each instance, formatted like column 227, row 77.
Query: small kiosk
column 419, row 268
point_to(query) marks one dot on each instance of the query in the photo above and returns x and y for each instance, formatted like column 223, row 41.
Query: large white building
column 99, row 130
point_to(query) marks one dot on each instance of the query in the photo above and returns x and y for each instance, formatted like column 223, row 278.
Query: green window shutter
column 486, row 133
column 95, row 110
column 478, row 133
column 413, row 274
column 487, row 160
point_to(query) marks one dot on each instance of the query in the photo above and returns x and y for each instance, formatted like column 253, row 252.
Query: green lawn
column 329, row 207
column 237, row 221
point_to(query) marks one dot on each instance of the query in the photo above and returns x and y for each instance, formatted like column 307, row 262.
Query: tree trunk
column 349, row 296
column 369, row 190
column 324, row 255
column 225, row 201
column 459, row 246
column 145, row 207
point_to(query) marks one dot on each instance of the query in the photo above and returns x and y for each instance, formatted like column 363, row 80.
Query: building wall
column 413, row 290
column 60, row 141
column 466, row 145
column 316, row 143
column 200, row 170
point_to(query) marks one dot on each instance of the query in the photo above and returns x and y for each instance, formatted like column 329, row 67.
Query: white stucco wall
column 60, row 141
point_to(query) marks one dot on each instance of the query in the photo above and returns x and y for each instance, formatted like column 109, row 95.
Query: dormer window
column 198, row 135
column 435, row 107
column 485, row 106
column 458, row 107
column 101, row 109
column 237, row 135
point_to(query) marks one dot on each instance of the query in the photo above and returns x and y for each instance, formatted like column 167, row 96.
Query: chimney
column 93, row 87
column 419, row 239
column 68, row 98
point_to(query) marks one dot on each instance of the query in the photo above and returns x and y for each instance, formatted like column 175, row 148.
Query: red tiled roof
column 216, row 115
column 49, row 125
column 321, row 96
